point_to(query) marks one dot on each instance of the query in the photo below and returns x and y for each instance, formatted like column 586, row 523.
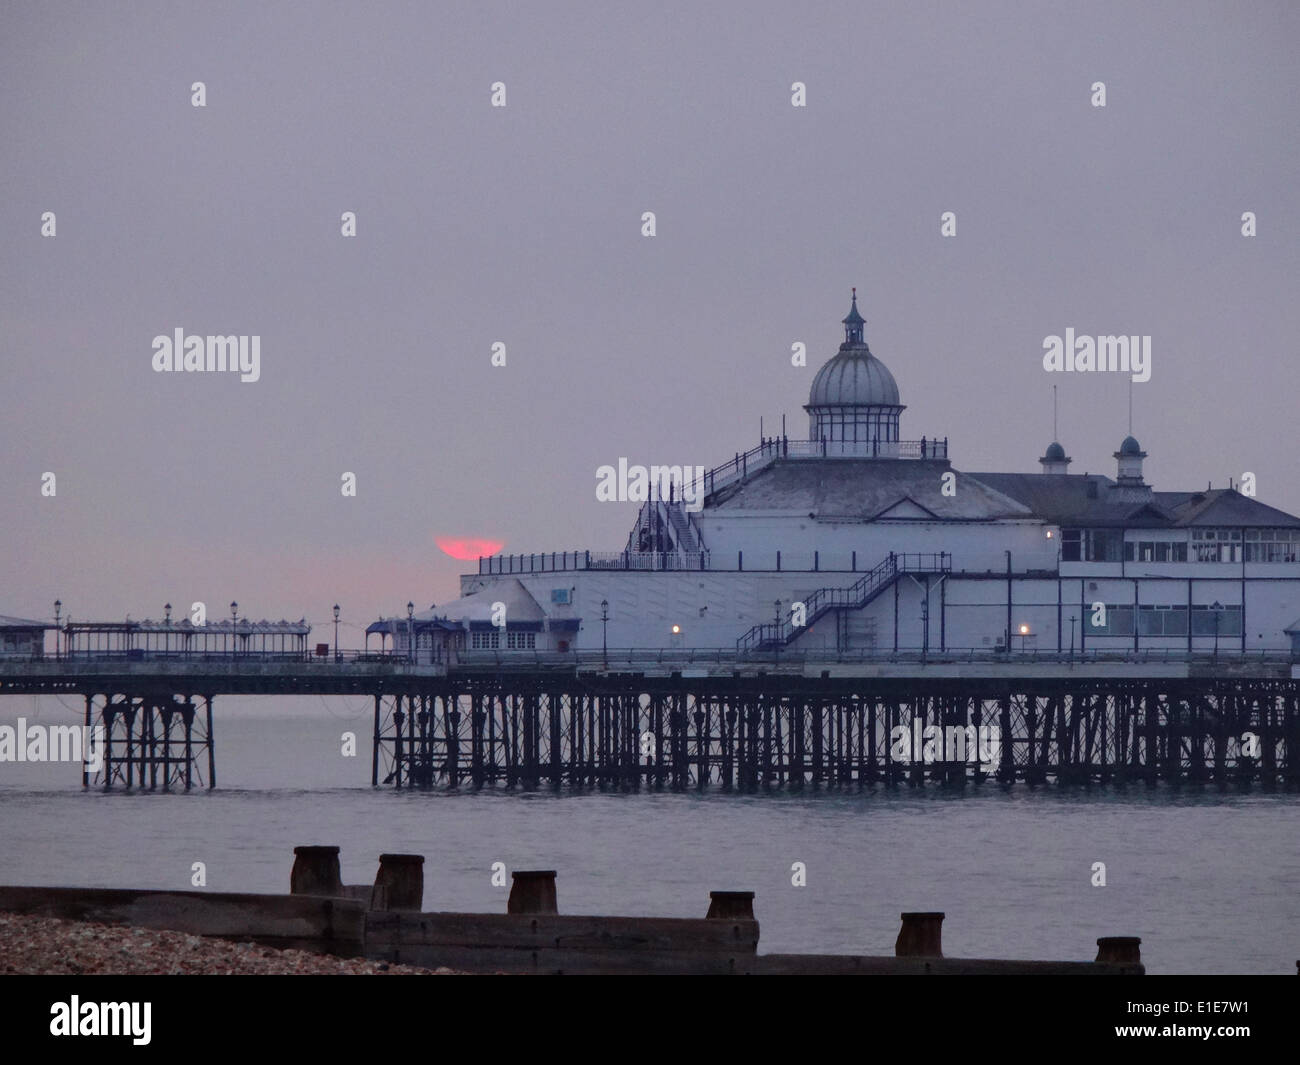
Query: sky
column 523, row 225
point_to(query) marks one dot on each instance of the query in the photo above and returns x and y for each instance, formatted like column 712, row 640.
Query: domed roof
column 854, row 378
column 1130, row 447
column 1055, row 453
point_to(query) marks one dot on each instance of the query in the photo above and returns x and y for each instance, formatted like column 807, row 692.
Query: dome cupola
column 1055, row 460
column 854, row 398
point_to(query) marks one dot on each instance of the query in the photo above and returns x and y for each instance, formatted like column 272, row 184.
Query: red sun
column 467, row 548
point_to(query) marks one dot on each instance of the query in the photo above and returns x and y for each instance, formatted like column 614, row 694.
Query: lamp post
column 234, row 619
column 604, row 632
column 1217, row 607
column 410, row 631
column 776, row 630
column 337, row 657
column 1024, row 639
column 58, row 606
column 167, row 617
column 1073, row 618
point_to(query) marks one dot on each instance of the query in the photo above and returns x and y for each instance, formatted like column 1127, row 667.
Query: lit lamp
column 1024, row 633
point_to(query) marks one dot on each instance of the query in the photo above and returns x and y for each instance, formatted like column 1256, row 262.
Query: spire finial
column 854, row 322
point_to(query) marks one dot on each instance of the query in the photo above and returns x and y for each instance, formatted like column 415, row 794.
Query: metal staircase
column 857, row 595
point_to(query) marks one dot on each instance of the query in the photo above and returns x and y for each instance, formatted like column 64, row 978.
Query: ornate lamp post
column 410, row 631
column 337, row 657
column 58, row 606
column 234, row 619
column 604, row 632
column 1217, row 607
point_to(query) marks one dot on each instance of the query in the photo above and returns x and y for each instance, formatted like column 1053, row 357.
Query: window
column 521, row 641
column 1162, row 621
column 1092, row 545
column 1119, row 621
column 485, row 640
column 1155, row 551
column 1071, row 545
column 1272, row 545
column 1228, row 623
column 1216, row 545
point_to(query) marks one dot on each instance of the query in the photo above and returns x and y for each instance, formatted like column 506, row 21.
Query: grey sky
column 522, row 225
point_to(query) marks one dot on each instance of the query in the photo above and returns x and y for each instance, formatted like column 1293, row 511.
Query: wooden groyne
column 384, row 921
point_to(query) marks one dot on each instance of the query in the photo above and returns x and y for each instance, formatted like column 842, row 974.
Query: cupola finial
column 853, row 323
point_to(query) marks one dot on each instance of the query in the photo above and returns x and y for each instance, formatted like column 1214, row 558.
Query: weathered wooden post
column 731, row 905
column 920, row 937
column 315, row 871
column 399, row 884
column 532, row 891
column 1119, row 950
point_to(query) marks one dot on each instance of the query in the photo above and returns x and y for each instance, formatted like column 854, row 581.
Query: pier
column 719, row 720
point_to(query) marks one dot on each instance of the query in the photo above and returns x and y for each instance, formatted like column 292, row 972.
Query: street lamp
column 336, row 632
column 1073, row 619
column 604, row 631
column 1217, row 607
column 58, row 606
column 410, row 631
column 776, row 630
column 1024, row 638
column 234, row 618
column 167, row 617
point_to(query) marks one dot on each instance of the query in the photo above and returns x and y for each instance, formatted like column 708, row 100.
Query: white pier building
column 856, row 541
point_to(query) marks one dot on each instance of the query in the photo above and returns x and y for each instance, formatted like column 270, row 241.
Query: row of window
column 857, row 426
column 1165, row 621
column 490, row 640
column 1208, row 545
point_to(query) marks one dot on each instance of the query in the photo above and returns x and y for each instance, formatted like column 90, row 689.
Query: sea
column 1208, row 880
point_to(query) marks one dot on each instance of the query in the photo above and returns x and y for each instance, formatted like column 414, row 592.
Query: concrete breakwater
column 384, row 921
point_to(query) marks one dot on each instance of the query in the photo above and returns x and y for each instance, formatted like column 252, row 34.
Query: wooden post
column 731, row 906
column 399, row 884
column 920, row 937
column 1119, row 950
column 532, row 891
column 315, row 871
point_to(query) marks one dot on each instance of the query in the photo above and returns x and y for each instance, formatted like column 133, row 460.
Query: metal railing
column 855, row 596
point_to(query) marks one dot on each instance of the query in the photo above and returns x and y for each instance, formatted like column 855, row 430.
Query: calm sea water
column 1207, row 880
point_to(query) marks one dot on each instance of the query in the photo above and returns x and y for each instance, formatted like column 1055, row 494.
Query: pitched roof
column 7, row 622
column 863, row 489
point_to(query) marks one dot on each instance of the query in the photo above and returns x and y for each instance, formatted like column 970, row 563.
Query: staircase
column 665, row 527
column 773, row 636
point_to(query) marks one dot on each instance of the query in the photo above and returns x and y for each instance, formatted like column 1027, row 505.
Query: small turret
column 1055, row 460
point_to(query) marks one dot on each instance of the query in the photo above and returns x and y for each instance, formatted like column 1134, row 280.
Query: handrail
column 855, row 596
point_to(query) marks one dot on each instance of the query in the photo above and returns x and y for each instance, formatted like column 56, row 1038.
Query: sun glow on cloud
column 467, row 548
